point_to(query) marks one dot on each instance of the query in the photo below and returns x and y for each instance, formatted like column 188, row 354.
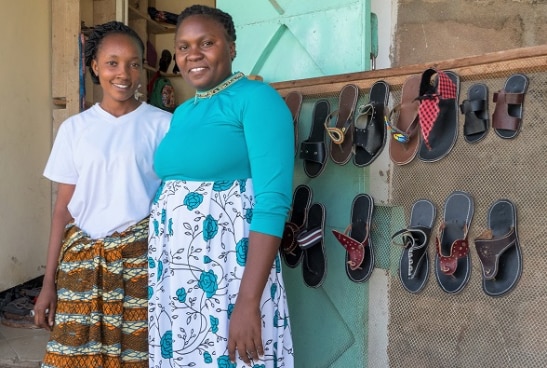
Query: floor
column 22, row 347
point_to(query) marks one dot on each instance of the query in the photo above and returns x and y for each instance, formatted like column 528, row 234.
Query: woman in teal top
column 216, row 294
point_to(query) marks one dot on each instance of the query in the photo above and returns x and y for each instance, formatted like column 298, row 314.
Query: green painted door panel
column 286, row 40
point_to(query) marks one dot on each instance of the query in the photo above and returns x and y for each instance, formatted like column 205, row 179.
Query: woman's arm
column 47, row 300
column 245, row 334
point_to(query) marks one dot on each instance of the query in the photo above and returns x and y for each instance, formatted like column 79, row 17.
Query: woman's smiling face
column 203, row 52
column 118, row 65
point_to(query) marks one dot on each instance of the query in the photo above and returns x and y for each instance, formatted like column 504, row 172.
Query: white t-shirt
column 110, row 160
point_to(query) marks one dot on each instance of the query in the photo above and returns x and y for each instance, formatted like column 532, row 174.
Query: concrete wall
column 25, row 138
column 430, row 30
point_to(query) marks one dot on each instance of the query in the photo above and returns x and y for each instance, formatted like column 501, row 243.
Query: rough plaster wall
column 431, row 30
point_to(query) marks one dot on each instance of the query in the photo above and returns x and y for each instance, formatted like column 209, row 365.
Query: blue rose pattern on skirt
column 197, row 254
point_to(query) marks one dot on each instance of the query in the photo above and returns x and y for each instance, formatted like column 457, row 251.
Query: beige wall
column 25, row 125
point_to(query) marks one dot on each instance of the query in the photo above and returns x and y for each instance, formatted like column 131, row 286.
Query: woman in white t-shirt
column 94, row 293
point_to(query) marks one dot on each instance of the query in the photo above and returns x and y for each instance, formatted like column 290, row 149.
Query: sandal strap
column 288, row 241
column 355, row 249
column 308, row 238
column 335, row 133
column 458, row 249
column 414, row 239
column 429, row 103
column 397, row 134
column 489, row 251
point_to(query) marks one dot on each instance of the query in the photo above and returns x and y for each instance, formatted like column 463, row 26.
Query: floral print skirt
column 197, row 253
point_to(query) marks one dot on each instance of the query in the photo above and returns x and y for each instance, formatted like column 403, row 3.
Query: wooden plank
column 483, row 66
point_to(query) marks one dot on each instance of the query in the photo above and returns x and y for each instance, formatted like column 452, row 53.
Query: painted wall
column 25, row 138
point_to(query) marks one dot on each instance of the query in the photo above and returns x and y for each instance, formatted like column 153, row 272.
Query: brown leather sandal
column 341, row 131
column 404, row 123
column 507, row 117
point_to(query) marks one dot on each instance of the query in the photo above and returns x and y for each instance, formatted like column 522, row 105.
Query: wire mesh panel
column 471, row 328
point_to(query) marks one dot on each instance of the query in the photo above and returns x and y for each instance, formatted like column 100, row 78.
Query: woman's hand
column 45, row 306
column 245, row 335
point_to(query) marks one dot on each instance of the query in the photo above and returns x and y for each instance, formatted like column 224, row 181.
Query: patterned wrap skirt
column 197, row 254
column 101, row 317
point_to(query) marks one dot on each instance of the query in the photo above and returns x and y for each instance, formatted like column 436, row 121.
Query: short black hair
column 223, row 18
column 97, row 35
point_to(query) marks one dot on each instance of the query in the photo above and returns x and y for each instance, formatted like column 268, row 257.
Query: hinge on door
column 373, row 40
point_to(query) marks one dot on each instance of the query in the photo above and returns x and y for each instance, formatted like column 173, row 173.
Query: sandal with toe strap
column 453, row 262
column 356, row 240
column 414, row 261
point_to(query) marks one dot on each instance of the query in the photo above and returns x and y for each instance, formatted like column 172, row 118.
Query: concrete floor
column 22, row 347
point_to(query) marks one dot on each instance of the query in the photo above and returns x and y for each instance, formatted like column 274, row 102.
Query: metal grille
column 472, row 329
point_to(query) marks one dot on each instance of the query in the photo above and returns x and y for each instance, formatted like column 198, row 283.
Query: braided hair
column 223, row 18
column 96, row 37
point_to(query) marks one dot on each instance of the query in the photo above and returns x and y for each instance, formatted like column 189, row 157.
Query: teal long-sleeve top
column 244, row 131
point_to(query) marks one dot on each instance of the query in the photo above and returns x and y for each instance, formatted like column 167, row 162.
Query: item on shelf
column 507, row 117
column 341, row 132
column 312, row 150
column 414, row 261
column 151, row 55
column 165, row 61
column 162, row 16
column 161, row 92
column 499, row 249
column 403, row 123
column 356, row 239
column 294, row 103
column 370, row 129
column 438, row 113
column 453, row 261
column 475, row 109
column 290, row 251
column 311, row 242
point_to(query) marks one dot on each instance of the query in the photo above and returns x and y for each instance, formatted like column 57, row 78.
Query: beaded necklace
column 222, row 86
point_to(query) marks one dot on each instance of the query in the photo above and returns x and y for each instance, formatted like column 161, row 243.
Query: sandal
column 341, row 134
column 310, row 240
column 453, row 262
column 499, row 250
column 414, row 261
column 438, row 113
column 370, row 129
column 312, row 150
column 294, row 103
column 356, row 240
column 290, row 251
column 507, row 117
column 475, row 109
column 403, row 123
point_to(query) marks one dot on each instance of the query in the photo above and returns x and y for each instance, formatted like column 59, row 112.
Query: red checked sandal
column 356, row 240
column 453, row 262
column 438, row 113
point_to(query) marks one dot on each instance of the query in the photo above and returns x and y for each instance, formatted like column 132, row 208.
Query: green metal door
column 295, row 39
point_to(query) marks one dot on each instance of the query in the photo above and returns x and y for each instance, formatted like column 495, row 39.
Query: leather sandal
column 294, row 103
column 438, row 113
column 499, row 249
column 507, row 117
column 290, row 251
column 312, row 150
column 339, row 125
column 404, row 124
column 414, row 261
column 370, row 129
column 310, row 240
column 357, row 241
column 453, row 262
column 475, row 109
